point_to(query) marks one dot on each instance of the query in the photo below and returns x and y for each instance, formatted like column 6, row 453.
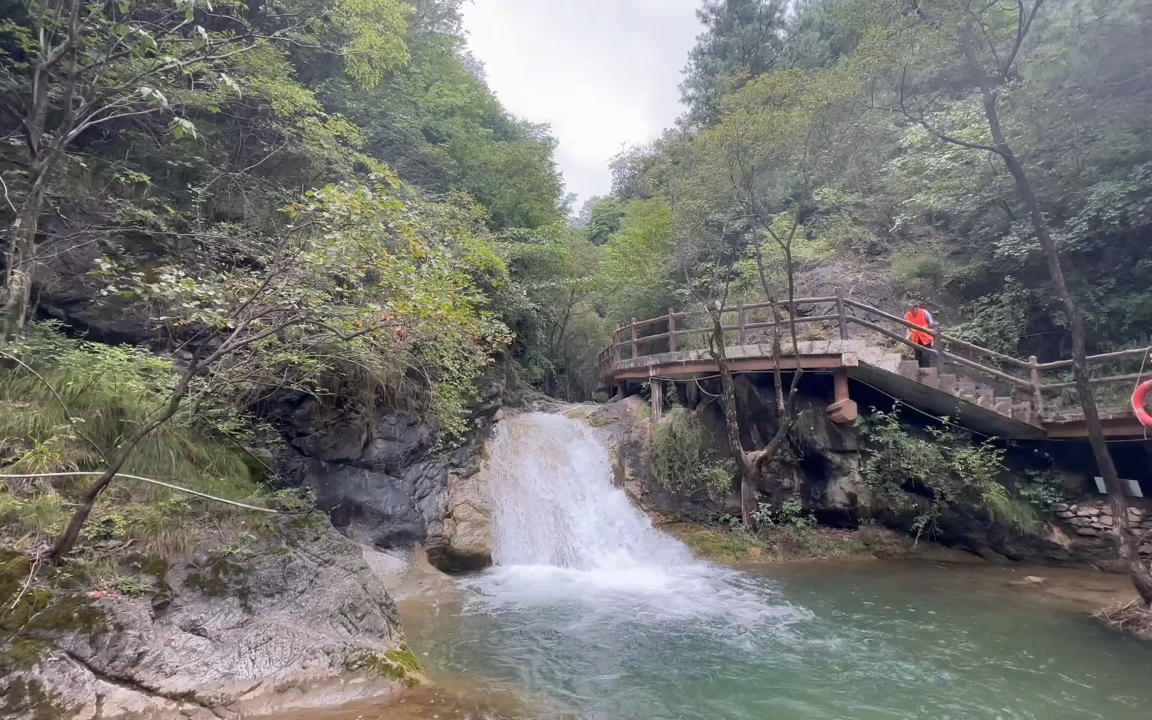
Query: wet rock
column 1034, row 580
column 465, row 539
column 1087, row 532
column 371, row 506
column 1080, row 521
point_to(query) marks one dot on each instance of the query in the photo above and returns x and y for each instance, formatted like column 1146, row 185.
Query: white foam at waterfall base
column 564, row 535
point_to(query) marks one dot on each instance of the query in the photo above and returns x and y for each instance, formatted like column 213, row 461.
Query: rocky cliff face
column 385, row 481
column 296, row 619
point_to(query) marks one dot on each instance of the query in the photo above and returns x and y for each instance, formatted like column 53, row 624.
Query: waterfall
column 554, row 503
column 565, row 536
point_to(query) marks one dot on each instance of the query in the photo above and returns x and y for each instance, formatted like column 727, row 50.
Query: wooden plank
column 799, row 321
column 1095, row 359
column 1114, row 380
column 741, row 365
column 1076, row 429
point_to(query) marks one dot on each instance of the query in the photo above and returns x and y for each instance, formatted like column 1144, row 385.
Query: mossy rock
column 400, row 665
column 27, row 698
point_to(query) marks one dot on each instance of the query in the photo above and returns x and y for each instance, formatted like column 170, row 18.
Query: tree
column 436, row 122
column 549, row 306
column 742, row 40
column 70, row 69
column 748, row 184
column 980, row 46
column 637, row 265
column 604, row 219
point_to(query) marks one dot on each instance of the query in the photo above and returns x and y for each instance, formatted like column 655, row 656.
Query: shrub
column 911, row 266
column 924, row 474
column 683, row 460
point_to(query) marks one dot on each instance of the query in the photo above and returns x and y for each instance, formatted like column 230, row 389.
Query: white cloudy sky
column 602, row 73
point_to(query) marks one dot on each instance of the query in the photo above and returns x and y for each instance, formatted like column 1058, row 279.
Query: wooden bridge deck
column 1007, row 401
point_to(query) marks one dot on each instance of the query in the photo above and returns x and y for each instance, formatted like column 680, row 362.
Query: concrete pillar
column 843, row 411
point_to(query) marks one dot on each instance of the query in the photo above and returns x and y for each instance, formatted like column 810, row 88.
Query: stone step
column 985, row 396
column 1022, row 412
column 909, row 369
column 891, row 362
column 929, row 377
column 966, row 387
column 1003, row 406
column 948, row 383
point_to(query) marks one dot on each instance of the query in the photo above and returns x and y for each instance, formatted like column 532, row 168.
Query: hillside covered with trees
column 862, row 122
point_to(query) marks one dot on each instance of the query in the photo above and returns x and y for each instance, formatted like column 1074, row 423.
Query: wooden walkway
column 981, row 389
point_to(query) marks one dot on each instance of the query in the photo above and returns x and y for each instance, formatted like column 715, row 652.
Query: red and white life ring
column 1142, row 391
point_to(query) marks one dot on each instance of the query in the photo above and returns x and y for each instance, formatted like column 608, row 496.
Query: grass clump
column 913, row 267
column 723, row 544
column 67, row 405
column 683, row 459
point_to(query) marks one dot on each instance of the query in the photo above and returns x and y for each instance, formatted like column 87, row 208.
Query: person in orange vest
column 922, row 340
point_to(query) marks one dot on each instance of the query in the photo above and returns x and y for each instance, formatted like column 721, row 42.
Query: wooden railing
column 629, row 342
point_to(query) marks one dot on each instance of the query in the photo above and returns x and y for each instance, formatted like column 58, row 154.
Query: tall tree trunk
column 1128, row 544
column 745, row 470
column 20, row 262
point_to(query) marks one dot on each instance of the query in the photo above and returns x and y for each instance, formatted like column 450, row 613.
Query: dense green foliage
column 683, row 458
column 922, row 475
column 347, row 156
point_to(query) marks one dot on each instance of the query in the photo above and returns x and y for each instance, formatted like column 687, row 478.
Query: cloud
column 602, row 73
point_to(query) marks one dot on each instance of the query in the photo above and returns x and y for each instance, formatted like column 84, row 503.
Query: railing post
column 743, row 334
column 938, row 341
column 635, row 346
column 616, row 348
column 671, row 330
column 1037, row 393
column 657, row 391
column 840, row 310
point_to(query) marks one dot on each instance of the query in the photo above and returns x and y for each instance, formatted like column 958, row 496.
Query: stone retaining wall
column 1095, row 518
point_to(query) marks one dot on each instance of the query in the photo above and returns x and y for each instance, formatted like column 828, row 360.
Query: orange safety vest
column 918, row 317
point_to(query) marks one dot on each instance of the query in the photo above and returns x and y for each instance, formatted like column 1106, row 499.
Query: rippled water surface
column 876, row 641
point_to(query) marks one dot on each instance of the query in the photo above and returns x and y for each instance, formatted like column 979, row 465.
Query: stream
column 591, row 613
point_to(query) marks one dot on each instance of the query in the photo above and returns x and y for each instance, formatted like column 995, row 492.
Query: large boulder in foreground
column 296, row 619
